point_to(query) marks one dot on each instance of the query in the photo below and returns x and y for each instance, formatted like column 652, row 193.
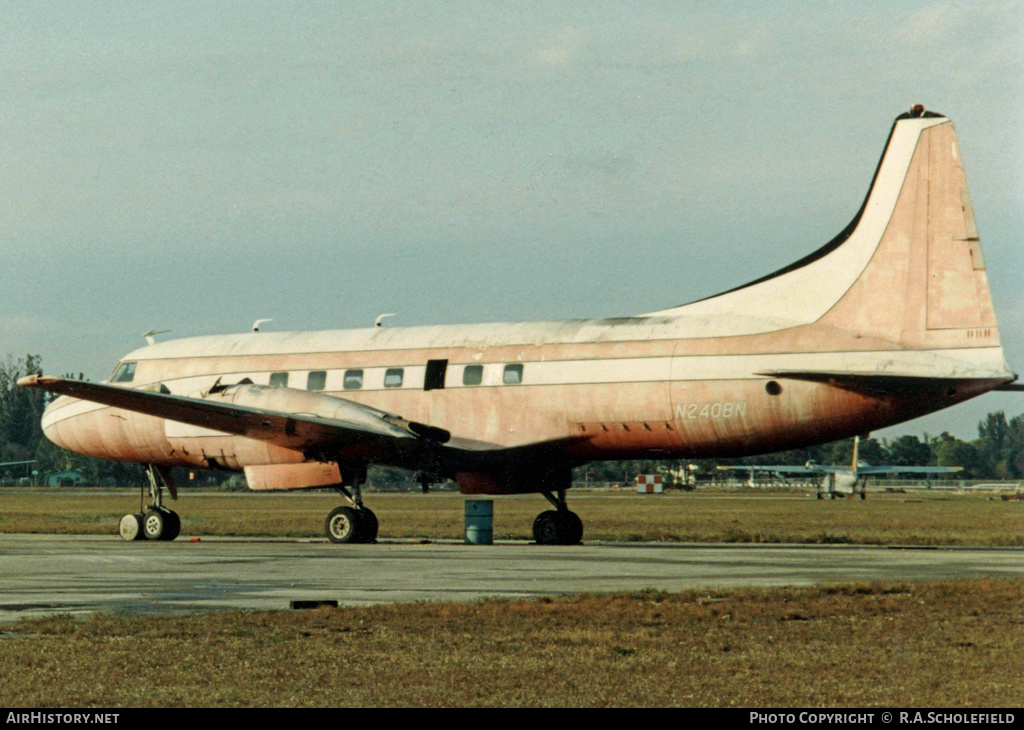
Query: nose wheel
column 156, row 522
column 161, row 524
column 130, row 527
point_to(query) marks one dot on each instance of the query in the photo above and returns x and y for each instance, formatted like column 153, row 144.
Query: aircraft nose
column 52, row 417
column 90, row 428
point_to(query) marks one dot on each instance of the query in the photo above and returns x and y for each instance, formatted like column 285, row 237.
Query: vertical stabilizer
column 925, row 285
column 906, row 272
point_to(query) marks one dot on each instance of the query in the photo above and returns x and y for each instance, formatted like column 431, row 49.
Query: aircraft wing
column 861, row 470
column 872, row 470
column 779, row 469
column 341, row 423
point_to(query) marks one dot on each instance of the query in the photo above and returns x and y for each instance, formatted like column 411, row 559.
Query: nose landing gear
column 156, row 522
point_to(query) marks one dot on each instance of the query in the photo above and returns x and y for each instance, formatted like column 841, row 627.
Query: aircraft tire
column 367, row 525
column 557, row 528
column 545, row 528
column 130, row 527
column 571, row 528
column 154, row 524
column 343, row 525
column 172, row 525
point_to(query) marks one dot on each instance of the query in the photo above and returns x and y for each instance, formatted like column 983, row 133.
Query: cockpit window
column 125, row 373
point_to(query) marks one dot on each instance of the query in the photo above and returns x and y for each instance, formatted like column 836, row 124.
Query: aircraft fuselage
column 890, row 320
column 597, row 389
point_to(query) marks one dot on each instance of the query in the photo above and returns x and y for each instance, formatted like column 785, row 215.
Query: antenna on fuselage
column 258, row 322
column 150, row 336
column 379, row 322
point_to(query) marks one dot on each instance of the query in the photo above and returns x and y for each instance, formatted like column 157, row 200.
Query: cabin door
column 436, row 370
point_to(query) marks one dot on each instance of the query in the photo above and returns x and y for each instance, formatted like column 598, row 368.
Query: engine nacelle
column 278, row 477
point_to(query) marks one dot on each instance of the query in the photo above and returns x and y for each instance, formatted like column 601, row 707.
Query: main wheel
column 545, row 528
column 555, row 527
column 130, row 527
column 367, row 525
column 342, row 525
column 571, row 528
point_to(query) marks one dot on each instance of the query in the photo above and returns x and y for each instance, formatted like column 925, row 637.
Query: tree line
column 997, row 452
column 22, row 439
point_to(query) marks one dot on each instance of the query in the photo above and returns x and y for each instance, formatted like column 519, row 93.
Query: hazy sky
column 195, row 166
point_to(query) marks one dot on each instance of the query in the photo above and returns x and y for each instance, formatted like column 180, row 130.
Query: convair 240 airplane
column 890, row 320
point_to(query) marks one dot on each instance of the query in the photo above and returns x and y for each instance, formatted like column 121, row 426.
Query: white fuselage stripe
column 940, row 363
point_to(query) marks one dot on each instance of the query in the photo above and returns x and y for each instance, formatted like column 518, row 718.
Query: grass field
column 922, row 518
column 915, row 645
column 952, row 644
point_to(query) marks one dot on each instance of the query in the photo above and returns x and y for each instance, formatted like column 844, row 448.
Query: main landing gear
column 155, row 522
column 559, row 526
column 355, row 524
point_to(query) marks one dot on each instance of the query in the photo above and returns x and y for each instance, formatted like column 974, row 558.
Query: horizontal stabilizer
column 888, row 383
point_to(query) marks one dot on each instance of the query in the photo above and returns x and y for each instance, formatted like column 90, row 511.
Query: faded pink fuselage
column 890, row 321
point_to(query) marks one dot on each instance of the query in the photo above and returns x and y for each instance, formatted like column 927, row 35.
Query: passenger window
column 316, row 380
column 393, row 377
column 279, row 380
column 513, row 375
column 125, row 373
column 473, row 375
column 353, row 380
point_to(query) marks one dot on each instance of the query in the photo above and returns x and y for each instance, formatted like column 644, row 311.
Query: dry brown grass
column 913, row 645
column 920, row 519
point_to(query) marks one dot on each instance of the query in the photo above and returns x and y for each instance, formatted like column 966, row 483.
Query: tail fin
column 907, row 270
column 925, row 285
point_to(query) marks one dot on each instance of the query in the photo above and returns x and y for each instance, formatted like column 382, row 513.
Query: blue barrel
column 479, row 521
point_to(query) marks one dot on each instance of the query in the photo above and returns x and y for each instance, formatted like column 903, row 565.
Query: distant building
column 65, row 479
